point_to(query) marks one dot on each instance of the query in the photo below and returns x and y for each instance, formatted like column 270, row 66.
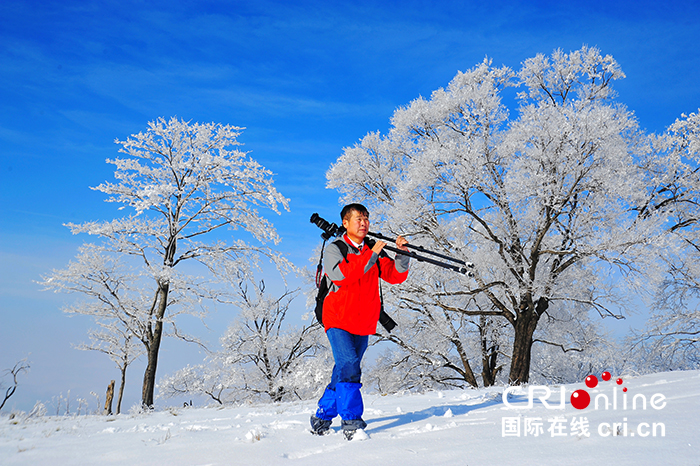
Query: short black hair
column 348, row 209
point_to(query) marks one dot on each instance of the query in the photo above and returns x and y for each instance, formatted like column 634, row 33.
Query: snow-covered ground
column 471, row 427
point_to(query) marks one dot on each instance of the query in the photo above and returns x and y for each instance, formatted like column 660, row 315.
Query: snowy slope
column 472, row 427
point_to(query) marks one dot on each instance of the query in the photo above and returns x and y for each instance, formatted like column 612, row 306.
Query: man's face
column 357, row 226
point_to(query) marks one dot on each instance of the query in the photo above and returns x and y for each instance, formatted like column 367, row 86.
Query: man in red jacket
column 350, row 315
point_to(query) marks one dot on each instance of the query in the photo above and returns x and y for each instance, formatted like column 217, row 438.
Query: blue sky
column 305, row 78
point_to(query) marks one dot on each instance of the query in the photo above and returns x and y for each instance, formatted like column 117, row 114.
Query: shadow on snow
column 402, row 419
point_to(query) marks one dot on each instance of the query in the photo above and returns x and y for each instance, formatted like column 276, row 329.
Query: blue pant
column 342, row 396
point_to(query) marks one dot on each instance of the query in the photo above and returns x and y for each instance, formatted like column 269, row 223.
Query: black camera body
column 329, row 229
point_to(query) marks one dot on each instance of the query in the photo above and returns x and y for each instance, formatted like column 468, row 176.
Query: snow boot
column 350, row 427
column 320, row 426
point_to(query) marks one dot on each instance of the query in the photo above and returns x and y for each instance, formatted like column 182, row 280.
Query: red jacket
column 353, row 302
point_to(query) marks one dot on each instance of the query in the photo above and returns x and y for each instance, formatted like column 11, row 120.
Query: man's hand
column 378, row 246
column 401, row 243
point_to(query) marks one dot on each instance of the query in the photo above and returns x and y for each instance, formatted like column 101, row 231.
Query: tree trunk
column 109, row 398
column 121, row 391
column 489, row 358
column 467, row 368
column 525, row 326
column 149, row 377
column 277, row 394
column 489, row 354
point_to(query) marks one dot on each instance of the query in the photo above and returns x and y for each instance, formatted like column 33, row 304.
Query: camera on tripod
column 329, row 229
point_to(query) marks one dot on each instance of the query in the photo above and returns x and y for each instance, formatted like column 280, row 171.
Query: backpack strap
column 343, row 246
column 319, row 267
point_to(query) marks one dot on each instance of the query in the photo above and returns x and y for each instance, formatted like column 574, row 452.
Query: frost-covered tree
column 569, row 346
column 112, row 296
column 116, row 341
column 546, row 203
column 209, row 379
column 671, row 338
column 272, row 358
column 263, row 356
column 18, row 368
column 435, row 344
column 185, row 184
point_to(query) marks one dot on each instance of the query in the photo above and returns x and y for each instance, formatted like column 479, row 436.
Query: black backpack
column 322, row 284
